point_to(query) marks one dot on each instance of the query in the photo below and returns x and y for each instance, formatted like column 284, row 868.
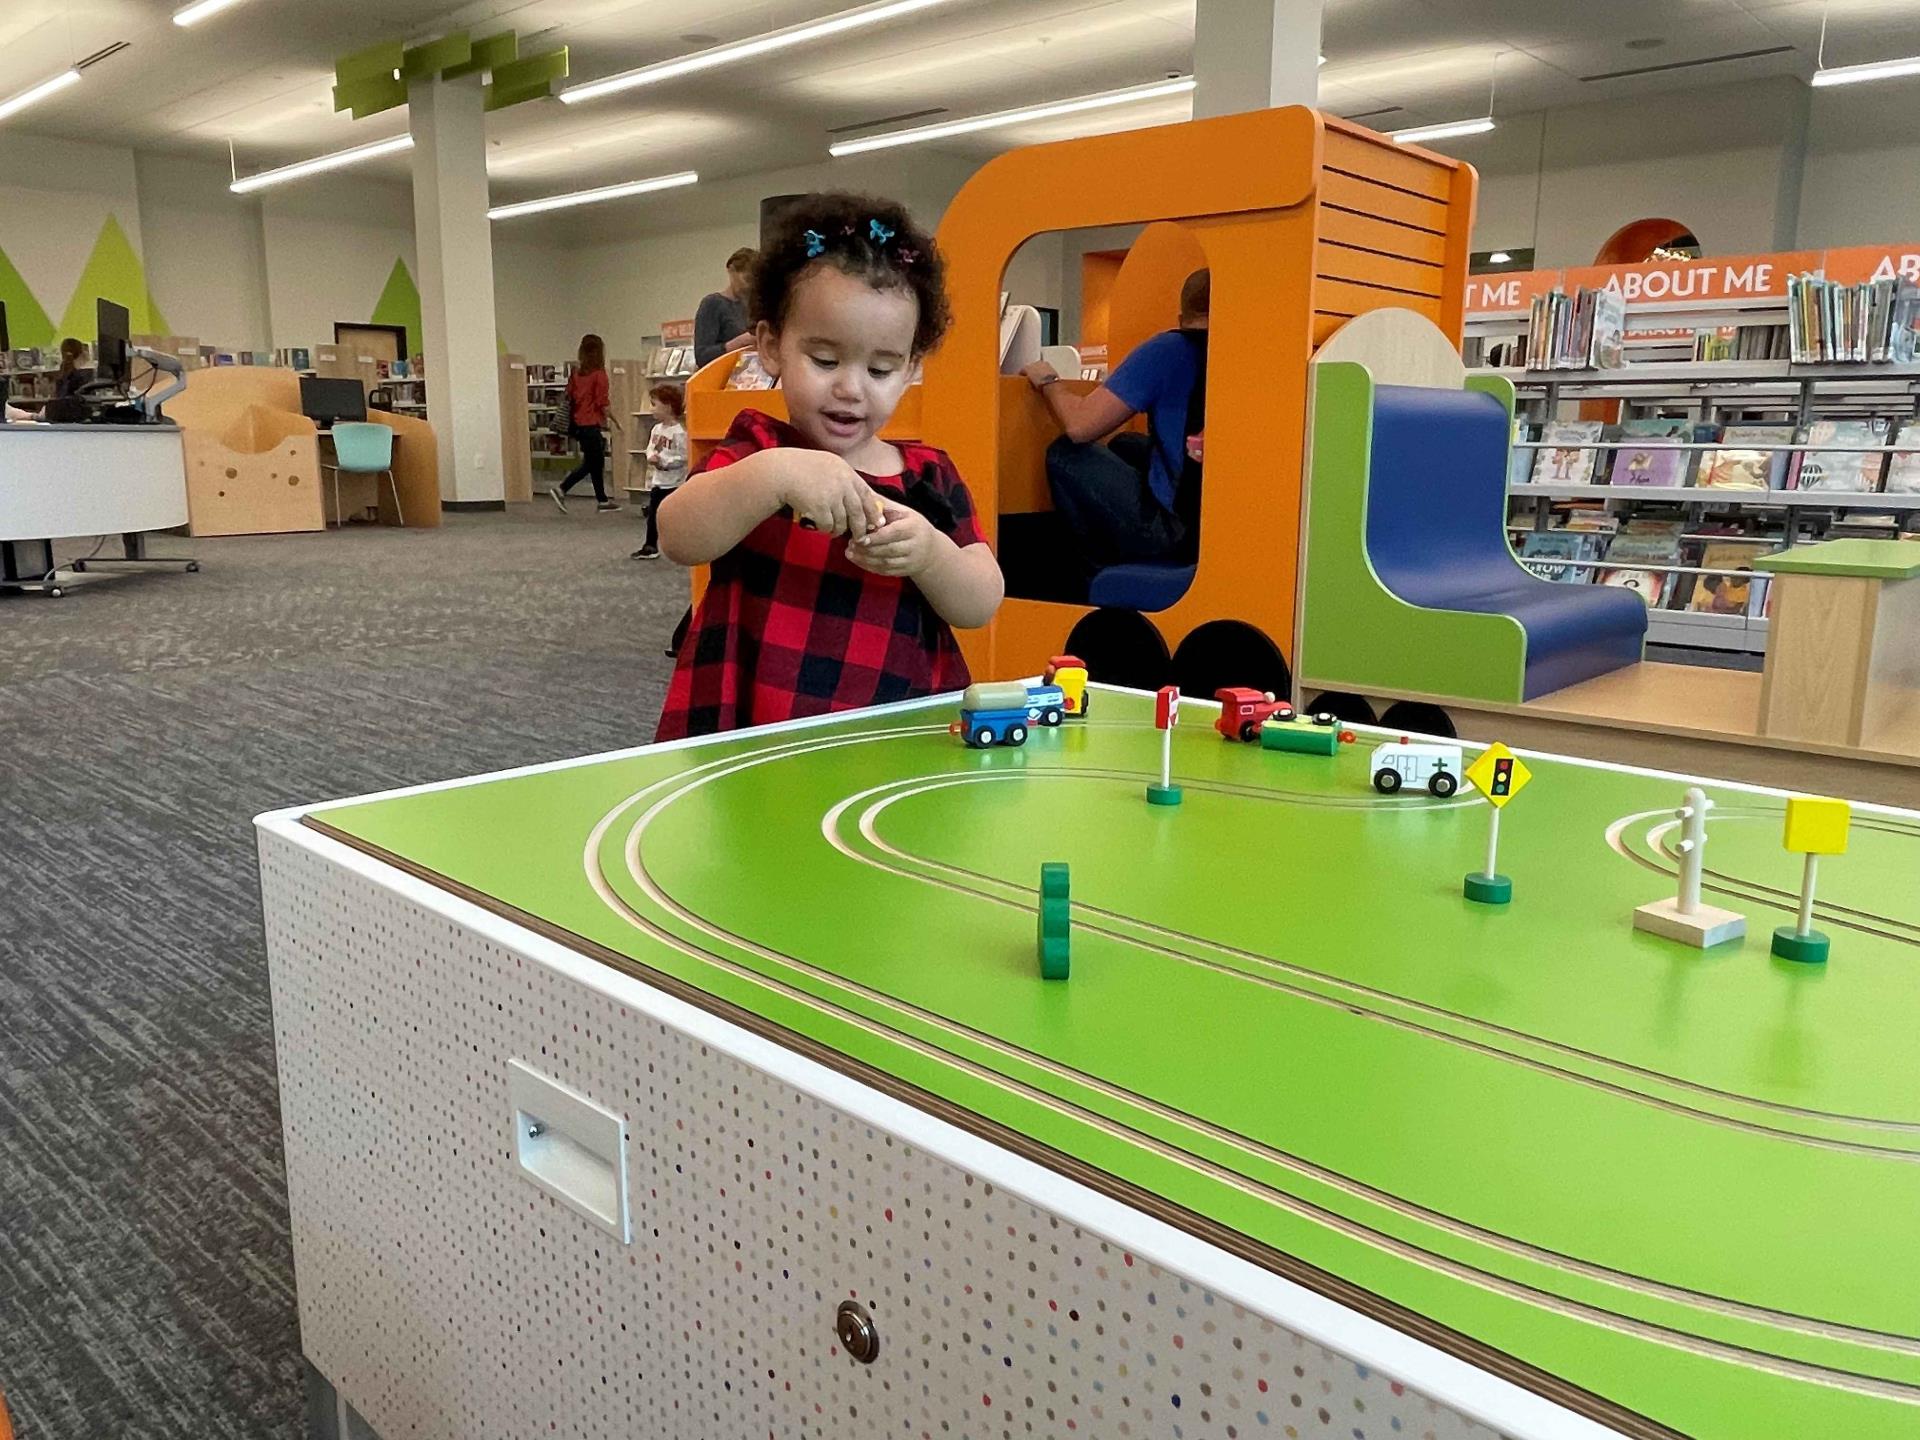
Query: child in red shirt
column 840, row 561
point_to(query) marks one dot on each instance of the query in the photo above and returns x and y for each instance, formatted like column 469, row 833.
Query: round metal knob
column 855, row 1327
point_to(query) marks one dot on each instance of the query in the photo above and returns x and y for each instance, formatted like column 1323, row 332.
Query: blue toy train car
column 1000, row 713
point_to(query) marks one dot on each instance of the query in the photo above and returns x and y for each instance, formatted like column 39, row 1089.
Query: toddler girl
column 839, row 561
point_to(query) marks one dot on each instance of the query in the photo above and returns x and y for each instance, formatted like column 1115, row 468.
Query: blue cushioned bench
column 1140, row 587
column 1436, row 520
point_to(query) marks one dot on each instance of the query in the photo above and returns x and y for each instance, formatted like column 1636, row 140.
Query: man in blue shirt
column 1137, row 497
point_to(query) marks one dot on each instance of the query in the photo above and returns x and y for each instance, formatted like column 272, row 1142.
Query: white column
column 1254, row 54
column 455, row 243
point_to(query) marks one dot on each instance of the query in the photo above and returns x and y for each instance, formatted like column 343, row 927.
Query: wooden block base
column 1705, row 926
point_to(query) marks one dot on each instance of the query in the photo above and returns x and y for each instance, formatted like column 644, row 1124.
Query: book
column 1641, row 465
column 1849, row 470
column 1644, row 543
column 1726, row 594
column 1739, row 469
column 1607, row 326
column 749, row 374
column 1547, row 545
column 1520, row 462
column 1572, row 465
column 1830, row 321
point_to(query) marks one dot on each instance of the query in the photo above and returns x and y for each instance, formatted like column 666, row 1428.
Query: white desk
column 59, row 481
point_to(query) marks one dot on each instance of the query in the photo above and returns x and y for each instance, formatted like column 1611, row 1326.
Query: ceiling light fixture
column 748, row 49
column 338, row 160
column 1874, row 70
column 1453, row 129
column 1179, row 86
column 1499, row 257
column 1854, row 74
column 1415, row 134
column 593, row 197
column 200, row 10
column 39, row 92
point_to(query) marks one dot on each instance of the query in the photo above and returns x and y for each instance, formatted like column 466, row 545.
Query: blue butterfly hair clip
column 816, row 244
column 878, row 233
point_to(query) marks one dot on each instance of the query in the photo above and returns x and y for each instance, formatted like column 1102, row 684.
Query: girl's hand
column 827, row 494
column 905, row 545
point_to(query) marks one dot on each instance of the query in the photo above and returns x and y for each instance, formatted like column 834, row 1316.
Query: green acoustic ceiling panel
column 399, row 304
column 370, row 96
column 28, row 324
column 529, row 79
column 113, row 272
column 438, row 56
column 371, row 63
column 489, row 53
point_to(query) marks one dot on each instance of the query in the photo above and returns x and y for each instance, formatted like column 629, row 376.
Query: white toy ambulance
column 1403, row 762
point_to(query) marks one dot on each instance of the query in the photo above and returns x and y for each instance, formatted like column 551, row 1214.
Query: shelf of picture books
column 1698, row 583
column 1858, row 305
column 548, row 427
column 670, row 362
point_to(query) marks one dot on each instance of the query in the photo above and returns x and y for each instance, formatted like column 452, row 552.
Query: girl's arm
column 963, row 584
column 713, row 512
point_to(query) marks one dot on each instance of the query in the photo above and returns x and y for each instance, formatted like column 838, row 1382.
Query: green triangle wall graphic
column 400, row 305
column 113, row 272
column 28, row 326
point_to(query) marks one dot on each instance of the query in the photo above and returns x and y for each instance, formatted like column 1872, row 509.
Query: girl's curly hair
column 869, row 239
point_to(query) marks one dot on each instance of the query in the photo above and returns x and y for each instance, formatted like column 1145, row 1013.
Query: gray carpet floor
column 146, row 1278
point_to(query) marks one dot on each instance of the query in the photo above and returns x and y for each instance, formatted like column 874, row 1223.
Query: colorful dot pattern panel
column 446, row 1296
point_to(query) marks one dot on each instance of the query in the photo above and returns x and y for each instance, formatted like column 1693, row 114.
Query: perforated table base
column 445, row 1296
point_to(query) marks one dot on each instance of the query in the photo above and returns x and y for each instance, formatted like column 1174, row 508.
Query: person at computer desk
column 72, row 375
column 1136, row 498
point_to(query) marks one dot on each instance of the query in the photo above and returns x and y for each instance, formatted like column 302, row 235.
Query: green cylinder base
column 1809, row 949
column 1163, row 794
column 1489, row 889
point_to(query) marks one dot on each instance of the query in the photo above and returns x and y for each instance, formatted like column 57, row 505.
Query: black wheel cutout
column 1443, row 783
column 1416, row 717
column 1386, row 781
column 1229, row 652
column 1352, row 709
column 1121, row 647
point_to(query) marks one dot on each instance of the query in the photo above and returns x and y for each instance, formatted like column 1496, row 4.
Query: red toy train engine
column 1244, row 711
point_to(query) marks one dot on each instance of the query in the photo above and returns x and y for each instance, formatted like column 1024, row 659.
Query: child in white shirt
column 666, row 458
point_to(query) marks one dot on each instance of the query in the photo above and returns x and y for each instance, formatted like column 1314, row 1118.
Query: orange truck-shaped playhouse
column 1304, row 221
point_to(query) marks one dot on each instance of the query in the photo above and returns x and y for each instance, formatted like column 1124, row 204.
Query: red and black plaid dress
column 789, row 626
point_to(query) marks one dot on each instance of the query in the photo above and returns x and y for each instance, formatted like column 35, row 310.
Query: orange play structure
column 1305, row 221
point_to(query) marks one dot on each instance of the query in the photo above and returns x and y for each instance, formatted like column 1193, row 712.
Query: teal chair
column 360, row 448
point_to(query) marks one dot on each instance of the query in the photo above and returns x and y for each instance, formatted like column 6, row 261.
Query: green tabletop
column 1687, row 1182
column 1870, row 559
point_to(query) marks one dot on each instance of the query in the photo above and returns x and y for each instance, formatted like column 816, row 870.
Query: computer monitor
column 110, row 358
column 327, row 401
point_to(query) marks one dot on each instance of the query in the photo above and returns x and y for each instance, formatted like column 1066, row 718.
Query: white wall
column 626, row 287
column 55, row 197
column 330, row 245
column 1763, row 165
column 205, row 253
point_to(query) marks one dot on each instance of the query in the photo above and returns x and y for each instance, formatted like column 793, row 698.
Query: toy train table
column 712, row 1089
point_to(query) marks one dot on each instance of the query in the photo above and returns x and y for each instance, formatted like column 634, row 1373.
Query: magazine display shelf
column 1787, row 392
